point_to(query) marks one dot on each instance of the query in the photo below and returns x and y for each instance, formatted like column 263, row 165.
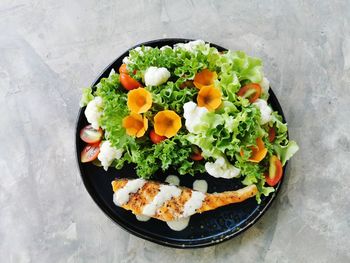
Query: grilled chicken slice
column 168, row 203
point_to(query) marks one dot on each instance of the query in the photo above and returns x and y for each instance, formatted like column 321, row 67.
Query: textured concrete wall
column 50, row 49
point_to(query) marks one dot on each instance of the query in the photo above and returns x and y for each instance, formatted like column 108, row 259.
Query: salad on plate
column 191, row 108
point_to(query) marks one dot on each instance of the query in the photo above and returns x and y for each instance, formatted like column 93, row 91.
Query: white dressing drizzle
column 193, row 203
column 122, row 196
column 200, row 185
column 179, row 224
column 173, row 180
column 166, row 192
column 142, row 218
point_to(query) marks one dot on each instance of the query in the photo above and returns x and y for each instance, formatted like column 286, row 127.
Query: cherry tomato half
column 196, row 153
column 90, row 135
column 90, row 152
column 275, row 171
column 187, row 84
column 253, row 88
column 155, row 138
column 196, row 157
column 272, row 134
column 128, row 82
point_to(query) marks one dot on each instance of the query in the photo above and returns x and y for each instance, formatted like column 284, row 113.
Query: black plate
column 205, row 229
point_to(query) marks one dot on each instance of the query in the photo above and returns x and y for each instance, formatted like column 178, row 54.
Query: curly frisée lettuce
column 86, row 96
column 173, row 152
column 225, row 136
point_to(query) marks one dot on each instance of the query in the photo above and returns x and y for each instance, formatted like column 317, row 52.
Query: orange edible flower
column 204, row 78
column 258, row 152
column 135, row 125
column 167, row 123
column 209, row 97
column 139, row 100
column 123, row 69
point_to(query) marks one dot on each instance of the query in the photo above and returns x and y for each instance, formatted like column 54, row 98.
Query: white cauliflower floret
column 190, row 46
column 108, row 154
column 156, row 76
column 265, row 111
column 193, row 115
column 265, row 85
column 126, row 60
column 93, row 112
column 139, row 49
column 221, row 168
column 165, row 48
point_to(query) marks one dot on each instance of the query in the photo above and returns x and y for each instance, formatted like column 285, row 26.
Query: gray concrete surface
column 50, row 49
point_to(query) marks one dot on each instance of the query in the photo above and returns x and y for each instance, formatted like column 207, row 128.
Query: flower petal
column 167, row 123
column 209, row 97
column 139, row 100
column 135, row 125
column 204, row 78
column 259, row 152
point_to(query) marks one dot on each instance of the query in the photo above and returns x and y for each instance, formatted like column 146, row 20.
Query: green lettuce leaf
column 285, row 152
column 171, row 97
column 254, row 174
column 237, row 68
column 86, row 97
column 114, row 110
column 181, row 63
column 171, row 153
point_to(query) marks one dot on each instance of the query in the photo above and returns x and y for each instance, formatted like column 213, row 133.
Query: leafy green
column 170, row 96
column 86, row 96
column 180, row 62
column 285, row 152
column 230, row 131
column 171, row 153
column 147, row 157
column 235, row 68
column 253, row 174
column 114, row 110
column 248, row 68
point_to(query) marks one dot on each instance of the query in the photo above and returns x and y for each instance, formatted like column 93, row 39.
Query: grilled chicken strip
column 168, row 203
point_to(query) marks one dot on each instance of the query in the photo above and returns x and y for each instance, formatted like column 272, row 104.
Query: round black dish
column 204, row 229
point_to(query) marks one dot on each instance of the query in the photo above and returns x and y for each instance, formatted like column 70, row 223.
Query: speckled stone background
column 50, row 49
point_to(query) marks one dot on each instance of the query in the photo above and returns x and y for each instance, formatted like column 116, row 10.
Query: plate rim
column 101, row 204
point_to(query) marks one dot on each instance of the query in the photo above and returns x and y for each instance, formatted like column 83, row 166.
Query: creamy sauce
column 122, row 196
column 166, row 192
column 200, row 185
column 180, row 224
column 142, row 218
column 193, row 203
column 173, row 180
